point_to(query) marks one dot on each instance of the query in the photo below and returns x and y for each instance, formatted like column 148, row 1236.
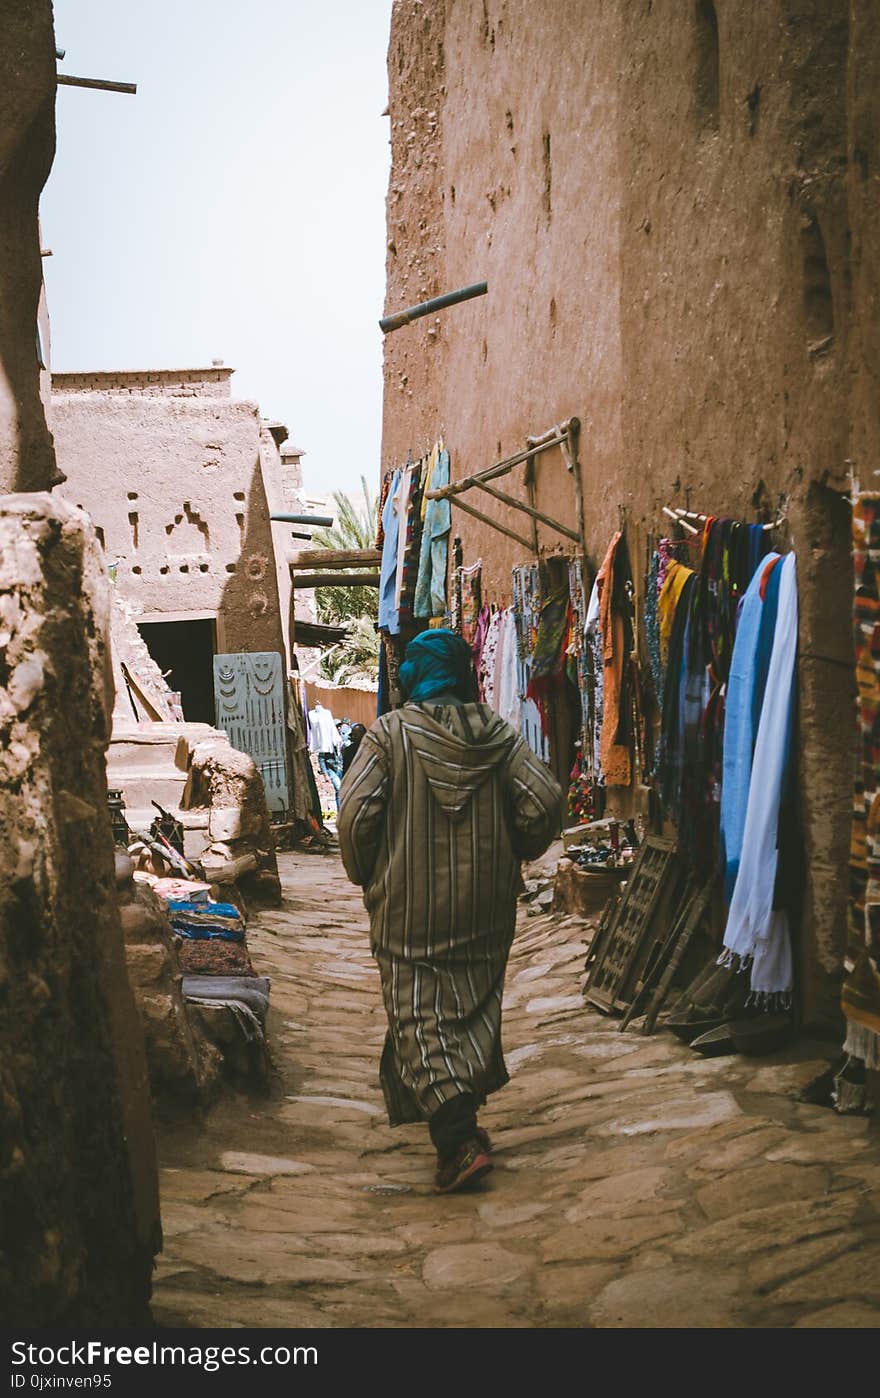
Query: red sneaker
column 463, row 1169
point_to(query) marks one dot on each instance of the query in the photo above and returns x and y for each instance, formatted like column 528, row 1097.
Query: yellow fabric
column 429, row 475
column 667, row 602
column 615, row 757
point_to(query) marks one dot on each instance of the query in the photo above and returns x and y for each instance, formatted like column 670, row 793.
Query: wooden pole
column 492, row 523
column 323, row 521
column 100, row 84
column 336, row 558
column 527, row 509
column 570, row 451
column 334, row 579
column 500, row 468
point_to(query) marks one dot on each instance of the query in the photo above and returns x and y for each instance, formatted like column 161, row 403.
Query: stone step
column 148, row 745
column 149, row 750
column 139, row 791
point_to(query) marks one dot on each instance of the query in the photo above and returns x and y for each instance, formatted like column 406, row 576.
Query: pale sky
column 233, row 209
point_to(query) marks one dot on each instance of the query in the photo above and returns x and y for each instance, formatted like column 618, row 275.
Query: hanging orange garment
column 676, row 577
column 615, row 758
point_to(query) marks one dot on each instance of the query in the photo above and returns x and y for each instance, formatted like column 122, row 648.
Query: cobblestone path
column 635, row 1183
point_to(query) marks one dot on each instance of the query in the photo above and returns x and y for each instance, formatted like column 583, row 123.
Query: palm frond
column 355, row 528
column 357, row 657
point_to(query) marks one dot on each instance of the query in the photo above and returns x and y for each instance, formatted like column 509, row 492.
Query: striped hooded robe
column 438, row 808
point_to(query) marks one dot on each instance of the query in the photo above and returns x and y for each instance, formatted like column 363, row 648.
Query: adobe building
column 180, row 479
column 677, row 212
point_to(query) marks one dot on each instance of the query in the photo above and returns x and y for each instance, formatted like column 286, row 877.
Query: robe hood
column 459, row 755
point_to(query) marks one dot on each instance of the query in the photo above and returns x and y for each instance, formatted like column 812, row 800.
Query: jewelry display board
column 249, row 700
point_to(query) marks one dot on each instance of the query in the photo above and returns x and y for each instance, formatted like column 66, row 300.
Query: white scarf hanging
column 757, row 935
column 507, row 700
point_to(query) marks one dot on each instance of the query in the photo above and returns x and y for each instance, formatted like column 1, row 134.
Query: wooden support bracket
column 336, row 558
column 334, row 579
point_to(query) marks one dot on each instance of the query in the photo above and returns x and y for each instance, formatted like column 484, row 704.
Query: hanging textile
column 526, row 606
column 695, row 832
column 527, row 598
column 392, row 661
column 383, row 688
column 866, row 637
column 388, row 613
column 577, row 666
column 478, row 643
column 471, row 600
column 691, row 759
column 408, row 554
column 623, row 611
column 768, row 586
column 757, row 933
column 402, row 499
column 488, row 667
column 615, row 755
column 383, row 496
column 430, row 594
column 861, row 990
column 670, row 754
column 745, row 694
column 300, row 797
column 548, row 659
column 652, row 628
column 677, row 575
column 671, row 551
column 595, row 666
column 546, row 676
column 507, row 698
column 428, row 481
column 580, row 790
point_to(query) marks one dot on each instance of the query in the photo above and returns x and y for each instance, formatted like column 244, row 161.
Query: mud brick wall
column 167, row 383
column 173, row 480
column 27, row 145
column 79, row 1214
column 677, row 212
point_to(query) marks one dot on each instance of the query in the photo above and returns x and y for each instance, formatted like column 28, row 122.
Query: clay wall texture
column 79, row 1209
column 27, row 145
column 676, row 208
column 170, row 383
column 169, row 468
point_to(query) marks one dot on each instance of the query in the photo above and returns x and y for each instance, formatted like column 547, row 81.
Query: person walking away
column 355, row 737
column 441, row 803
column 326, row 742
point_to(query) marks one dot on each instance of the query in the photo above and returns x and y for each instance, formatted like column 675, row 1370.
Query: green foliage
column 357, row 607
column 355, row 658
column 354, row 529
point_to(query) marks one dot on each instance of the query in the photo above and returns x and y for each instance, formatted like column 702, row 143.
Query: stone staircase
column 148, row 762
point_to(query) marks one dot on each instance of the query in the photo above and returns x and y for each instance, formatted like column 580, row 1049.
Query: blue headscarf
column 437, row 662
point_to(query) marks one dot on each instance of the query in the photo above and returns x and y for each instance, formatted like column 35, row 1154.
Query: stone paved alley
column 635, row 1183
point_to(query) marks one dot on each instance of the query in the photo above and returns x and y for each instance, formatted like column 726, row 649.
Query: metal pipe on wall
column 425, row 308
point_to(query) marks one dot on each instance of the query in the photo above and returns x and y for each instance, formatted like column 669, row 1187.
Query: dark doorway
column 184, row 652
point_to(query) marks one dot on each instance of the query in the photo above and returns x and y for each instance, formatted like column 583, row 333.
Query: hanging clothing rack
column 683, row 516
column 564, row 435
